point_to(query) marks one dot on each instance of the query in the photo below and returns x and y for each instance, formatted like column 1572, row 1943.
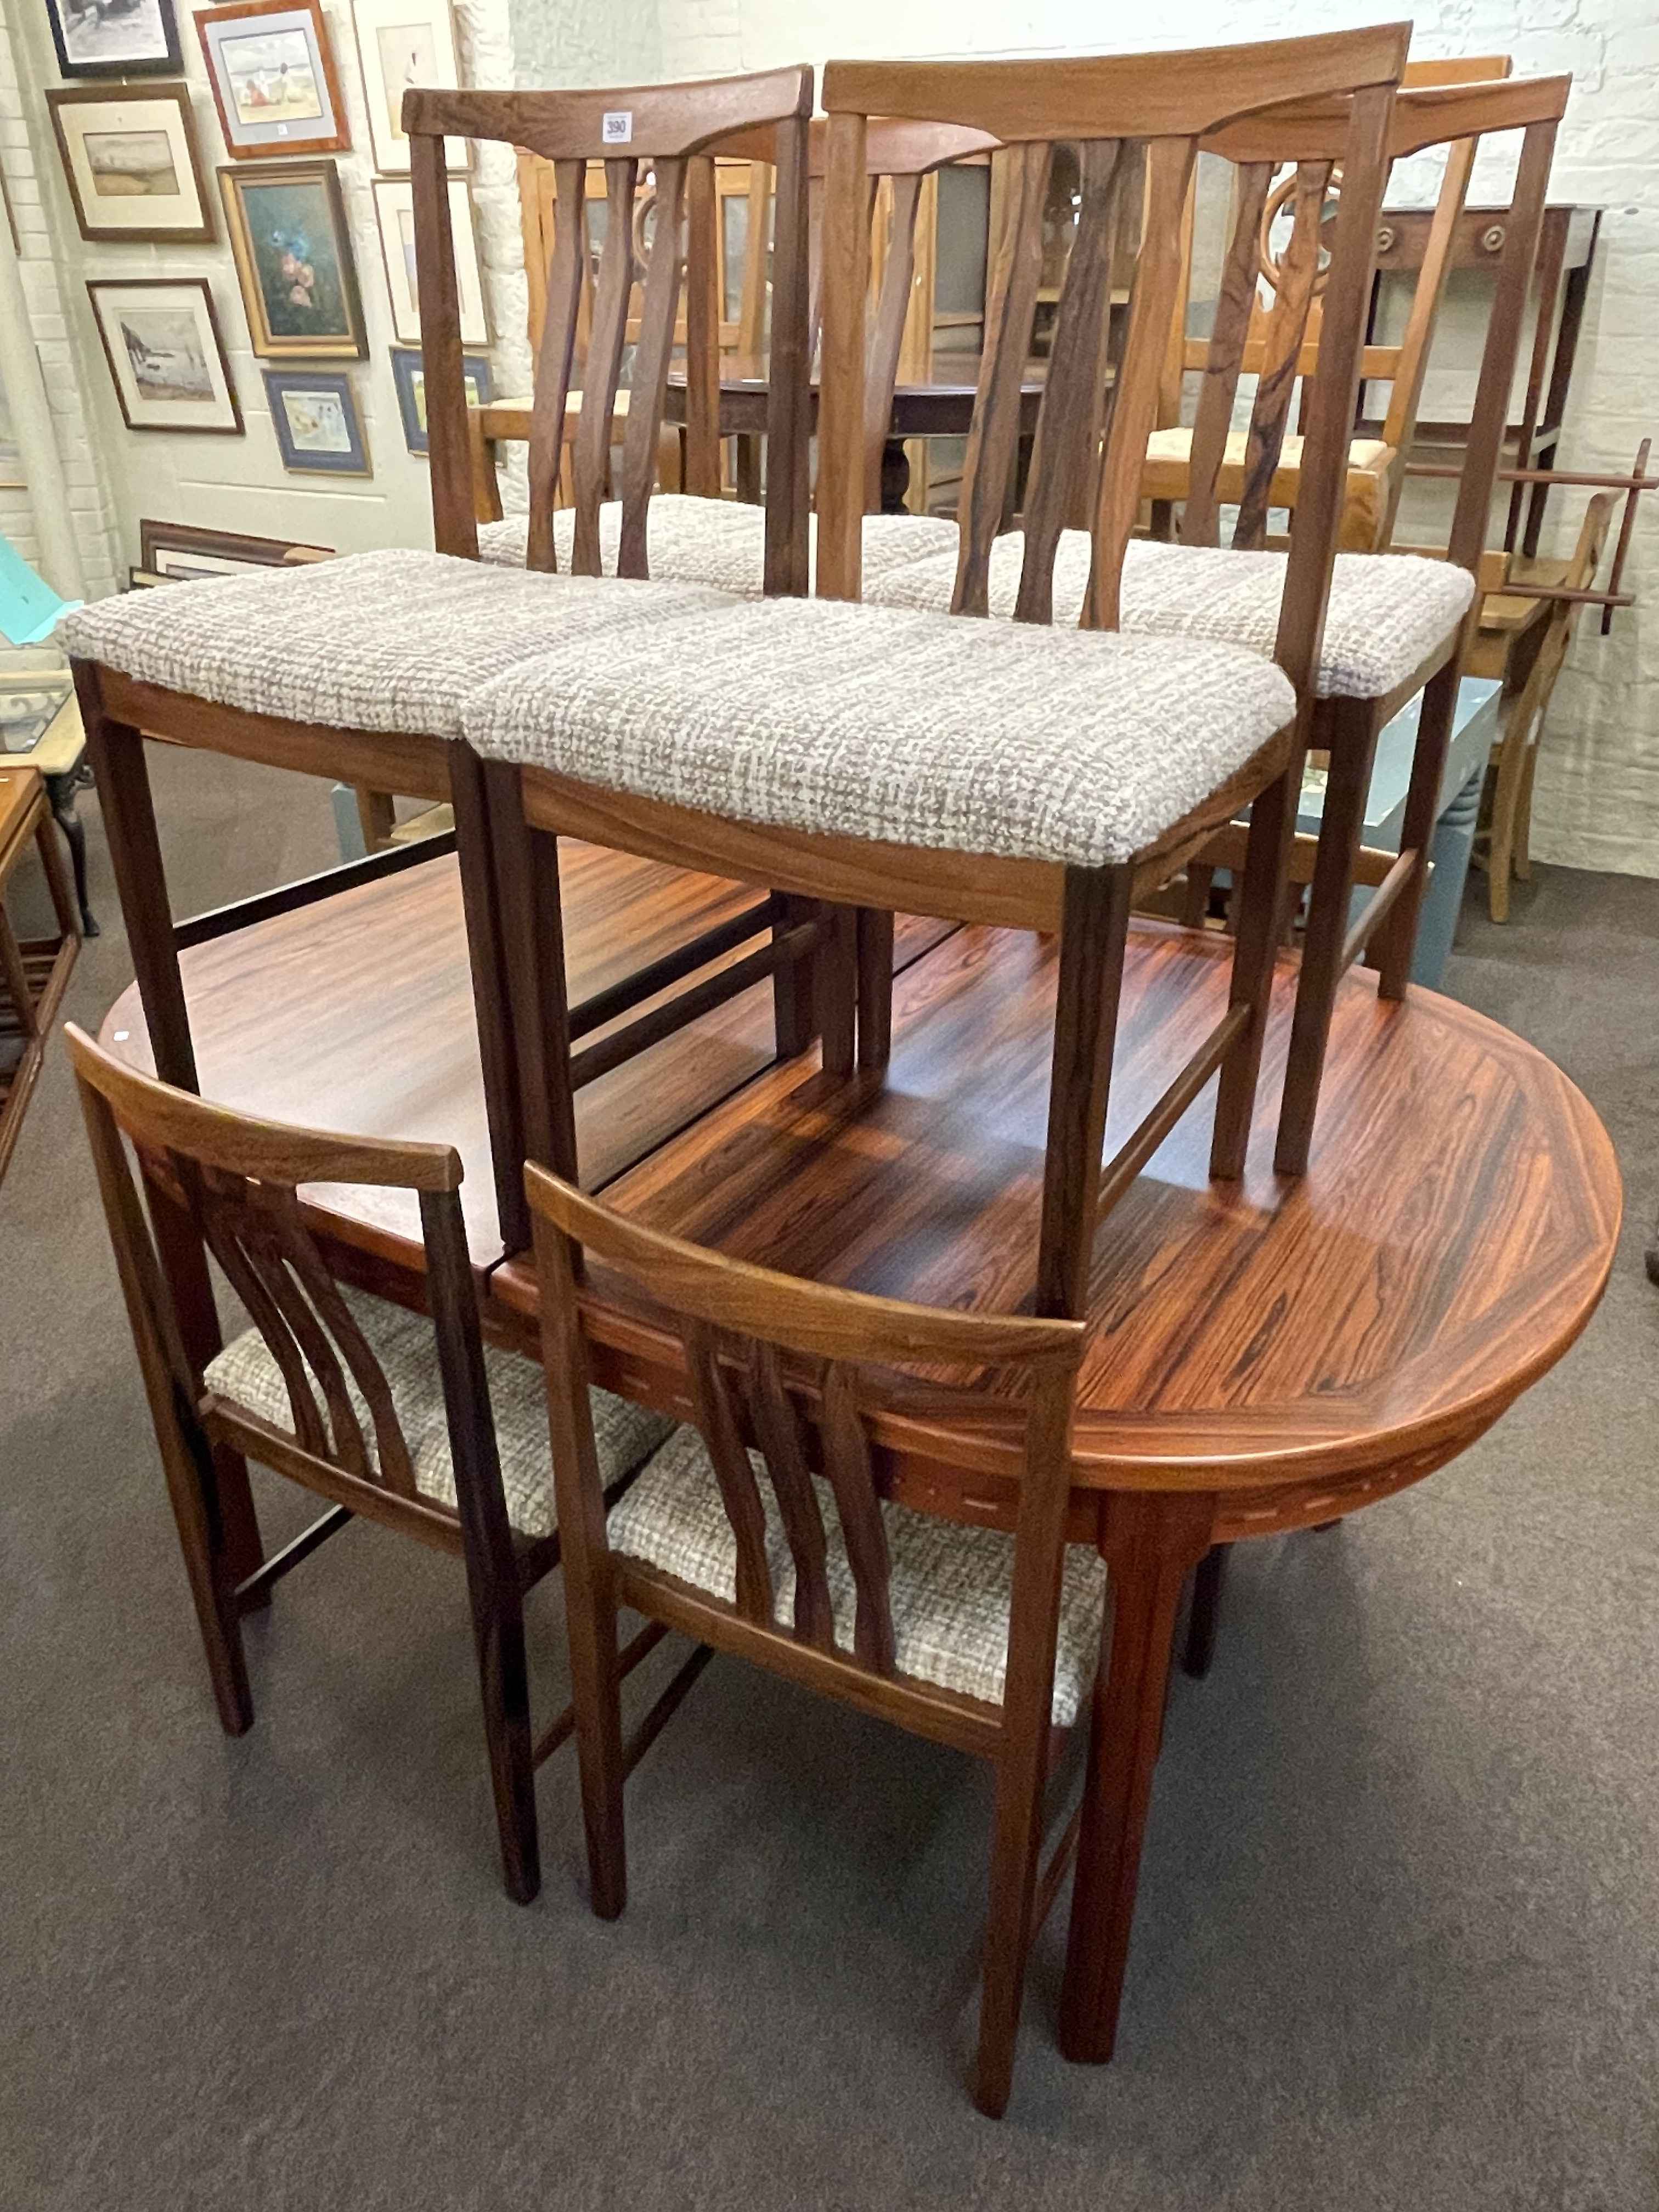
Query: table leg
column 1150, row 1541
column 1390, row 950
column 61, row 795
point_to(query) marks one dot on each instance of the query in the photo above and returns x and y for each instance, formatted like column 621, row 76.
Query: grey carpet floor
column 1398, row 1941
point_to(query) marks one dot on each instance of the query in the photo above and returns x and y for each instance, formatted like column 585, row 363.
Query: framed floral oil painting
column 272, row 72
column 314, row 414
column 131, row 160
column 162, row 340
column 115, row 38
column 288, row 231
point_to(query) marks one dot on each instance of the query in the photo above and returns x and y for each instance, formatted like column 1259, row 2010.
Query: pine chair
column 1025, row 775
column 985, row 1641
column 401, row 1419
column 1503, row 845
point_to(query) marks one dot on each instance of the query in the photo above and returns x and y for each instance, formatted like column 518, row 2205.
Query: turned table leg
column 1150, row 1541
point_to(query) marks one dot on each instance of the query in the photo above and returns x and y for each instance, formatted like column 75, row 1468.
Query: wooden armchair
column 761, row 1531
column 396, row 1418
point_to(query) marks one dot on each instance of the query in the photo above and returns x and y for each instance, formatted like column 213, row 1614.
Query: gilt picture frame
column 271, row 68
column 132, row 164
column 167, row 358
column 293, row 251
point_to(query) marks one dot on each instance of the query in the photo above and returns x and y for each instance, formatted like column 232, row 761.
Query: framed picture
column 288, row 230
column 402, row 43
column 130, row 159
column 179, row 552
column 315, row 415
column 115, row 38
column 411, row 380
column 394, row 209
column 162, row 340
column 272, row 72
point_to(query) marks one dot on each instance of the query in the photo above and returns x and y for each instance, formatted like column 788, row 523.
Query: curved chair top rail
column 1423, row 116
column 895, row 145
column 783, row 1310
column 1141, row 118
column 1120, row 95
column 661, row 121
column 159, row 1116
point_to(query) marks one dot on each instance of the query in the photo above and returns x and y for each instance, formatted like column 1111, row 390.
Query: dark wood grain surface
column 1451, row 1238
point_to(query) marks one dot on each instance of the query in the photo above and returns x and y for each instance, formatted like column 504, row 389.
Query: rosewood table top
column 1450, row 1240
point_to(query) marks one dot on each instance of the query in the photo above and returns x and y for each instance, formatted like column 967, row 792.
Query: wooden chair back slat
column 735, row 1321
column 1069, row 422
column 887, row 338
column 1222, row 359
column 602, row 371
column 1287, row 323
column 651, row 360
column 703, row 311
column 1010, row 306
column 564, row 282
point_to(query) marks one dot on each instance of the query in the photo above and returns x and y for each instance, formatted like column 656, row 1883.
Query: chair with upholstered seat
column 763, row 1531
column 403, row 1418
column 1023, row 773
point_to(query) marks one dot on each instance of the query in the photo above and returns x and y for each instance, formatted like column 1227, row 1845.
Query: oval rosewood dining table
column 1263, row 1356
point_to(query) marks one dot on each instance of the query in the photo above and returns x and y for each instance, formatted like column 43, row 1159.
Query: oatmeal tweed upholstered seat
column 720, row 542
column 950, row 1589
column 394, row 641
column 1387, row 611
column 403, row 1344
column 873, row 722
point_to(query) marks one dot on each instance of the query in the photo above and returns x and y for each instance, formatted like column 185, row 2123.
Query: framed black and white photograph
column 411, row 380
column 130, row 159
column 166, row 356
column 402, row 44
column 394, row 209
column 288, row 232
column 315, row 415
column 274, row 82
column 115, row 38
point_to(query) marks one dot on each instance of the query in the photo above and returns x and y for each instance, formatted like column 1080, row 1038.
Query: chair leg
column 1351, row 728
column 1196, row 900
column 875, row 955
column 1523, row 819
column 1506, row 809
column 835, row 991
column 1093, row 943
column 1015, row 1847
column 792, row 987
column 193, row 1489
column 1209, row 1579
column 1258, row 908
column 1391, row 951
column 1151, row 1541
column 504, row 1685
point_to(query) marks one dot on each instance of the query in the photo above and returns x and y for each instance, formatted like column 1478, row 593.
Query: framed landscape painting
column 402, row 43
column 106, row 37
column 411, row 380
column 288, row 231
column 274, row 83
column 131, row 163
column 162, row 340
column 315, row 415
column 394, row 207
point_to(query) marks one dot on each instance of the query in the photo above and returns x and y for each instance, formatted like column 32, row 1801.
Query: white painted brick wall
column 1598, row 784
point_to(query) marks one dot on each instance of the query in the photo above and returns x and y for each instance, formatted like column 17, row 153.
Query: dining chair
column 1021, row 775
column 406, row 1419
column 759, row 1528
column 1392, row 625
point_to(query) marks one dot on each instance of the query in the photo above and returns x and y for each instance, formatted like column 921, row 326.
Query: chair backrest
column 1457, row 69
column 781, row 1368
column 667, row 130
column 237, row 1180
column 1457, row 116
column 1136, row 118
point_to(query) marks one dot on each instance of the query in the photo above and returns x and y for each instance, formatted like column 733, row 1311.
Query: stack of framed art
column 133, row 165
